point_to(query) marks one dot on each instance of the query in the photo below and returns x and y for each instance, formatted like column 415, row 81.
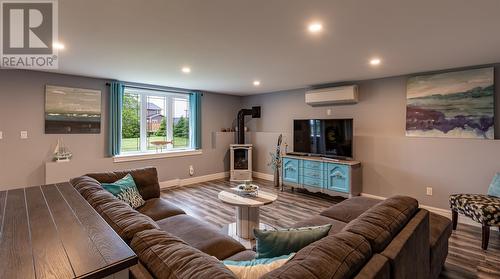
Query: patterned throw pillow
column 494, row 189
column 256, row 268
column 125, row 190
column 273, row 243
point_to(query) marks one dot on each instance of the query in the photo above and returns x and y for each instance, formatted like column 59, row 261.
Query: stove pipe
column 254, row 112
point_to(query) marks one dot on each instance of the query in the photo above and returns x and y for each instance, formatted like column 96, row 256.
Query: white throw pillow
column 256, row 268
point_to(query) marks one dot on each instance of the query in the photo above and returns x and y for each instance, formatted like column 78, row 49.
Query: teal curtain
column 115, row 117
column 195, row 119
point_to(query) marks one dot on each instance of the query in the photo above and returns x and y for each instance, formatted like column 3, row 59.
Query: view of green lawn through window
column 133, row 144
column 166, row 121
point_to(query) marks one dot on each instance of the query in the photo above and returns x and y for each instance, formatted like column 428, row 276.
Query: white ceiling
column 230, row 43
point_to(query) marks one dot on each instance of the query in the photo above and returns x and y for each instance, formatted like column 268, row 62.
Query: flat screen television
column 323, row 137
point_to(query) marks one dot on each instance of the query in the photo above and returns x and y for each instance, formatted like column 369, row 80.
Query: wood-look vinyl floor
column 466, row 259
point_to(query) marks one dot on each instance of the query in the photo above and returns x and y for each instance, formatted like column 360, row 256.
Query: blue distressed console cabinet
column 316, row 174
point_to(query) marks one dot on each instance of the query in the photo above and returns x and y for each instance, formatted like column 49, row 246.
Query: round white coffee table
column 247, row 211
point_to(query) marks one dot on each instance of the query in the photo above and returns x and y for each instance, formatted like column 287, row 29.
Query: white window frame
column 169, row 151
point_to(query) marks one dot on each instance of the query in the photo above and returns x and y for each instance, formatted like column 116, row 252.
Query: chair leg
column 454, row 219
column 486, row 237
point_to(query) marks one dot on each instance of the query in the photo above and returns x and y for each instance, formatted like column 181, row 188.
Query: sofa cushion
column 382, row 222
column 158, row 208
column 349, row 209
column 318, row 220
column 201, row 235
column 336, row 256
column 440, row 231
column 146, row 180
column 168, row 257
column 275, row 243
column 86, row 185
column 124, row 219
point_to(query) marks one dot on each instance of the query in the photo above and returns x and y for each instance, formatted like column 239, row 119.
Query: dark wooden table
column 50, row 231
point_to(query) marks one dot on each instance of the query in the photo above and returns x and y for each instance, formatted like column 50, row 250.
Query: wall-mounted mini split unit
column 332, row 96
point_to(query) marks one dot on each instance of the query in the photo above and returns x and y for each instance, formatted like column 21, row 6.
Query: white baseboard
column 262, row 175
column 443, row 212
column 192, row 180
column 204, row 178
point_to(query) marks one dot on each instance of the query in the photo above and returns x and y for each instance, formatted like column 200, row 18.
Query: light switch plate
column 24, row 134
column 429, row 191
column 1, row 135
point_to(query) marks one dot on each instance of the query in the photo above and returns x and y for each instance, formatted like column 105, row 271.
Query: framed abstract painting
column 72, row 110
column 457, row 104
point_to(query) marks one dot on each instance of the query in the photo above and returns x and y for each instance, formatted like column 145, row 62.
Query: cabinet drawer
column 312, row 173
column 313, row 182
column 290, row 169
column 337, row 177
column 315, row 165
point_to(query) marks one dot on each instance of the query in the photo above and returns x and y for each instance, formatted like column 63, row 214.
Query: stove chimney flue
column 254, row 112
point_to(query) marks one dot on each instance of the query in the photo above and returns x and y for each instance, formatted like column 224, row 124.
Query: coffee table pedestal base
column 247, row 219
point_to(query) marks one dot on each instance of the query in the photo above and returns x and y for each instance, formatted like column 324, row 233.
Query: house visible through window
column 154, row 121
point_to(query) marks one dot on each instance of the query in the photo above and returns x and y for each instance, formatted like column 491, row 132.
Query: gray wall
column 22, row 162
column 392, row 163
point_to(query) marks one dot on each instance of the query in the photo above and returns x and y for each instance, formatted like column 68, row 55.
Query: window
column 154, row 121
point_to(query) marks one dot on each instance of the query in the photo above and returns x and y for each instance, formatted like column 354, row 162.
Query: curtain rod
column 155, row 89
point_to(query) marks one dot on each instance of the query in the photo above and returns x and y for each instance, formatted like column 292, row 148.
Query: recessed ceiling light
column 186, row 70
column 256, row 82
column 58, row 46
column 375, row 61
column 315, row 27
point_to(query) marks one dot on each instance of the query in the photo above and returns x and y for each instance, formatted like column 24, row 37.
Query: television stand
column 334, row 177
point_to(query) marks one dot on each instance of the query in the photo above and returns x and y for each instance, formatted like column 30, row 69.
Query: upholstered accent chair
column 484, row 209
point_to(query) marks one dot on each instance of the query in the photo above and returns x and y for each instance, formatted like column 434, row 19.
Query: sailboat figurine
column 61, row 152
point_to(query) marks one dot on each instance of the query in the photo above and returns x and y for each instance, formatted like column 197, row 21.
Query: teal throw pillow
column 256, row 268
column 125, row 190
column 273, row 243
column 494, row 189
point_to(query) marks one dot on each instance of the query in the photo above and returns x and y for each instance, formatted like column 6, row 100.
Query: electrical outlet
column 24, row 134
column 429, row 191
column 191, row 170
column 328, row 112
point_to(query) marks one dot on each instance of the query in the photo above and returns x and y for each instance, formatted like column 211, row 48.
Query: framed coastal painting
column 452, row 105
column 72, row 110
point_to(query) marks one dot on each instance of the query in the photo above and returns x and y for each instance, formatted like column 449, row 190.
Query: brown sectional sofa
column 369, row 238
column 405, row 249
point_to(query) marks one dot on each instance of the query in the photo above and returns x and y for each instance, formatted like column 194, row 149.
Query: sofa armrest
column 409, row 251
column 377, row 267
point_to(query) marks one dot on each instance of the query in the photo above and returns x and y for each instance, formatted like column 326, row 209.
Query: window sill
column 154, row 155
